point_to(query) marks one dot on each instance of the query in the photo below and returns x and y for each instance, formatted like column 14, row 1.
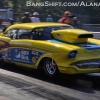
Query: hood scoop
column 85, row 35
column 72, row 35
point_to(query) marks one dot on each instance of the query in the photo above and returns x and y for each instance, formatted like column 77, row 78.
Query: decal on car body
column 87, row 45
column 25, row 55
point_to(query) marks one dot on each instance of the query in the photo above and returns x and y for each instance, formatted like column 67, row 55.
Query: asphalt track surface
column 24, row 84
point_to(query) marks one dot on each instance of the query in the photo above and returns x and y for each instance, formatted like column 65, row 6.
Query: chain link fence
column 83, row 18
column 18, row 16
column 56, row 17
column 87, row 22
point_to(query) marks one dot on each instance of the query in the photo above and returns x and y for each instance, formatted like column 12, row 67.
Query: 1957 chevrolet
column 55, row 47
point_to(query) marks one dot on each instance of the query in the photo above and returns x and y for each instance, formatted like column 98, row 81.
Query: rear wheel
column 50, row 67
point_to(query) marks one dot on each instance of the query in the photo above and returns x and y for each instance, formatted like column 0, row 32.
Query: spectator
column 77, row 23
column 49, row 19
column 64, row 18
column 35, row 18
column 26, row 18
column 1, row 21
column 11, row 20
column 70, row 20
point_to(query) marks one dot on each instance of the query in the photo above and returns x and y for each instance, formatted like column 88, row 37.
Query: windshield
column 44, row 33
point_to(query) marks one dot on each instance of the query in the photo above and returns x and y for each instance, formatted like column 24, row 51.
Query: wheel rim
column 50, row 66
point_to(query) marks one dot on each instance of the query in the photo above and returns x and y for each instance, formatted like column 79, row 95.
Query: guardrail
column 96, row 35
column 91, row 27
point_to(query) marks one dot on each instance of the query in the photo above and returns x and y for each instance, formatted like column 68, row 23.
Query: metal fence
column 83, row 18
column 91, row 27
column 18, row 16
column 87, row 22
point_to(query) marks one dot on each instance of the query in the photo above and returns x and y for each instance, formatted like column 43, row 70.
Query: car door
column 21, row 53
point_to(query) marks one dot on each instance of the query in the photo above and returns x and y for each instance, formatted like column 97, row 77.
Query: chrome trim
column 94, row 63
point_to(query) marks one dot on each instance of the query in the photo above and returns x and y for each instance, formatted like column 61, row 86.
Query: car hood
column 80, row 47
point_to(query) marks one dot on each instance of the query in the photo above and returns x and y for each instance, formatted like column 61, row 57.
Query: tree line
column 21, row 6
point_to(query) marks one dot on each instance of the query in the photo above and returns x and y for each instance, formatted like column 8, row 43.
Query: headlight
column 72, row 54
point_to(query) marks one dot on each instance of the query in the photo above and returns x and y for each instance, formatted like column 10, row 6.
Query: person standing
column 11, row 20
column 26, row 18
column 65, row 17
column 77, row 23
column 49, row 19
column 70, row 20
column 35, row 18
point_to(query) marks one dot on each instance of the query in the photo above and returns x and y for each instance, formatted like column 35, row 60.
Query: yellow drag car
column 55, row 47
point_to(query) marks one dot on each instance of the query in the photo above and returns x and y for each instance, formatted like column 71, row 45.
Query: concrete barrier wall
column 94, row 28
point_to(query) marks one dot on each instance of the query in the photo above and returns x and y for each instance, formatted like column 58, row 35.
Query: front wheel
column 50, row 67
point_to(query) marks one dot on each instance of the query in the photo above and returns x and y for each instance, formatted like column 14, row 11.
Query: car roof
column 34, row 25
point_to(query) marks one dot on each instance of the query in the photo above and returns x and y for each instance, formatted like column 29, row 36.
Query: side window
column 36, row 34
column 10, row 33
column 24, row 33
column 42, row 33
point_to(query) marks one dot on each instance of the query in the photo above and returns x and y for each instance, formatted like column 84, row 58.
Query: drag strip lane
column 28, row 86
column 20, row 87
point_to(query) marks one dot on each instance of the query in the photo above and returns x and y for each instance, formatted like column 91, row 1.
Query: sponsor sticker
column 35, row 52
column 33, row 59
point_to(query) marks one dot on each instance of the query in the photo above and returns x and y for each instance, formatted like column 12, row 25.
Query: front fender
column 58, row 58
